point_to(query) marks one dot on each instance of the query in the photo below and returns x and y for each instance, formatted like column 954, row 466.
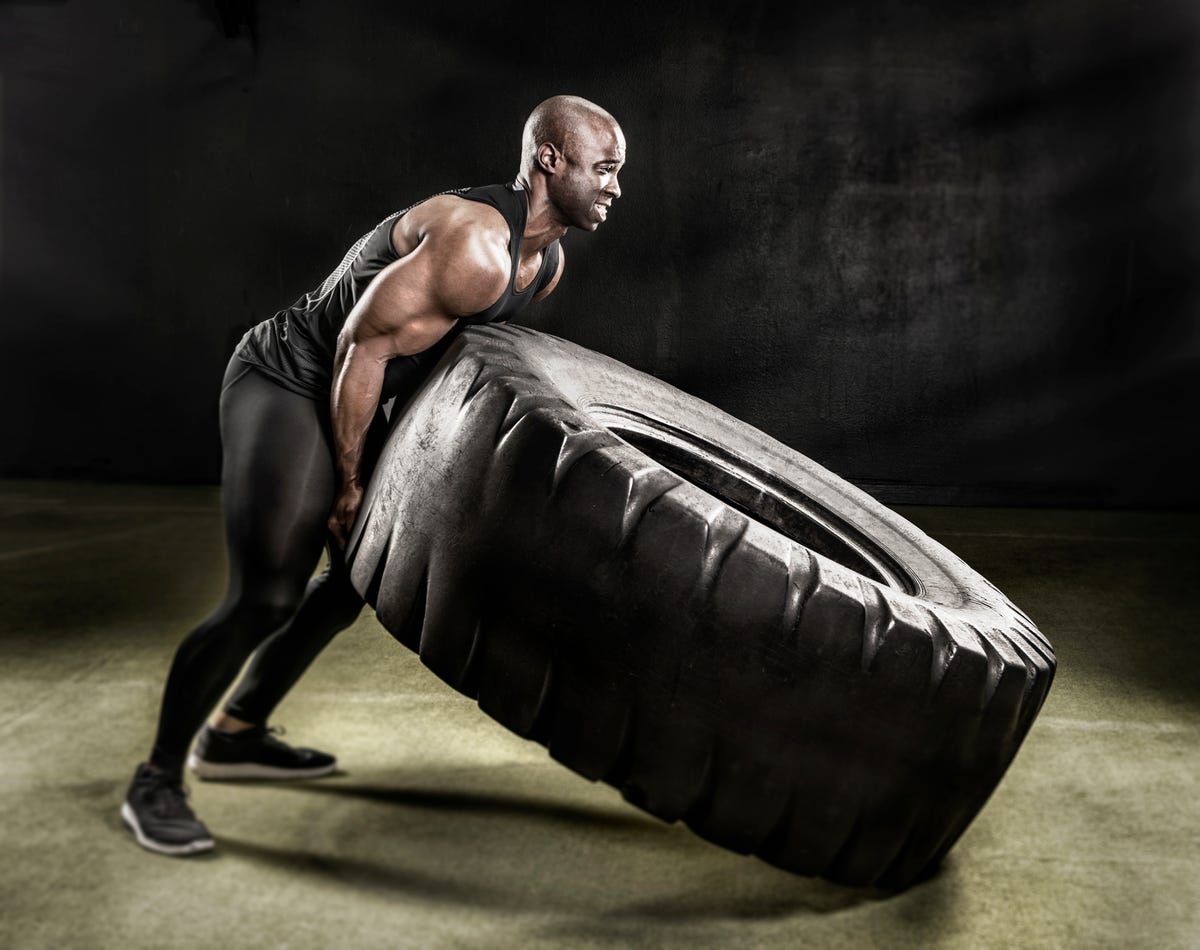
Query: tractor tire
column 680, row 606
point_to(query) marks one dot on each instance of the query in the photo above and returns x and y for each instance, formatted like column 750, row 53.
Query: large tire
column 677, row 604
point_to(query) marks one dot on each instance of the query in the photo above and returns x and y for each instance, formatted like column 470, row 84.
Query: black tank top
column 297, row 345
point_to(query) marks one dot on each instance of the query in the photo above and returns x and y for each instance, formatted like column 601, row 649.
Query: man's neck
column 541, row 227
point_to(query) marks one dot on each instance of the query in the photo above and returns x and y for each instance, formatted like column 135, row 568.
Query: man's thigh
column 277, row 481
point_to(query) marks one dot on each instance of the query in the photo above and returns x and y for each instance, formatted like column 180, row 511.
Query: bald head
column 562, row 121
column 571, row 154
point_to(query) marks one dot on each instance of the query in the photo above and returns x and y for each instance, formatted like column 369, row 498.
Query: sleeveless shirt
column 296, row 347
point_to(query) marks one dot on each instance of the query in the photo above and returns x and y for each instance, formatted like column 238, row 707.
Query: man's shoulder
column 451, row 223
column 451, row 213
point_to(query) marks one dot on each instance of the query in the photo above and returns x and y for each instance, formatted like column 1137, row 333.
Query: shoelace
column 168, row 799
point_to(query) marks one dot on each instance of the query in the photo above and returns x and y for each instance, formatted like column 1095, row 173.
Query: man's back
column 297, row 346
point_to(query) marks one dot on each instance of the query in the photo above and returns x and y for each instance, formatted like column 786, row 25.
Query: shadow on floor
column 523, row 854
column 447, row 800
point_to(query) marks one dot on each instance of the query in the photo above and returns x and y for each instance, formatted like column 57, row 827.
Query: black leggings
column 277, row 486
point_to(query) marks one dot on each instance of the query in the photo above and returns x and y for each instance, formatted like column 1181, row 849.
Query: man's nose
column 613, row 188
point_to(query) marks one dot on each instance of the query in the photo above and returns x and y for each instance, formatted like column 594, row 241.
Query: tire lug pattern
column 678, row 643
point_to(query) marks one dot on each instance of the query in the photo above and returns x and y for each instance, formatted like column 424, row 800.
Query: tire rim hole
column 760, row 497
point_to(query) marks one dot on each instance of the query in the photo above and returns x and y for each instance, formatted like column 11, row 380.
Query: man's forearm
column 357, row 387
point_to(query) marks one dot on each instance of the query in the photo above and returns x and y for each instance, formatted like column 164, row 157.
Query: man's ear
column 548, row 158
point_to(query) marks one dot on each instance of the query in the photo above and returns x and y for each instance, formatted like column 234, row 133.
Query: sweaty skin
column 455, row 262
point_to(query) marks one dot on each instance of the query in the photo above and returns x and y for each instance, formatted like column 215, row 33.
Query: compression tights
column 277, row 486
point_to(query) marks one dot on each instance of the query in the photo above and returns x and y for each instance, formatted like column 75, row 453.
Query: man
column 301, row 426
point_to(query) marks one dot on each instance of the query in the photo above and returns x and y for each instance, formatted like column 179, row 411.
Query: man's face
column 587, row 185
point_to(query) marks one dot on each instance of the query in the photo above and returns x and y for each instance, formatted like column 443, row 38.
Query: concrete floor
column 445, row 830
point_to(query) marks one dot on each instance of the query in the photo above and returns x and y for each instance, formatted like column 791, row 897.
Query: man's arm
column 455, row 269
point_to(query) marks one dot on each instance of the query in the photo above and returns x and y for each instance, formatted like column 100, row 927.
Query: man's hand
column 345, row 510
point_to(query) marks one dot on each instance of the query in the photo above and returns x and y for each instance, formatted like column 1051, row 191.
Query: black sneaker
column 157, row 812
column 254, row 753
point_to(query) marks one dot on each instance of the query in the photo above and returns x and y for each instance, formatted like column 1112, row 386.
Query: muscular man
column 301, row 425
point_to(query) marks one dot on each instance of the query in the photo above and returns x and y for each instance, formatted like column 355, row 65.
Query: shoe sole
column 195, row 846
column 234, row 771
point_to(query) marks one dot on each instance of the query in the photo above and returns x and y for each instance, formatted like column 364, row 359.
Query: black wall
column 951, row 255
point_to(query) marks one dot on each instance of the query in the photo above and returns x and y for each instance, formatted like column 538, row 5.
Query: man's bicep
column 414, row 301
column 400, row 294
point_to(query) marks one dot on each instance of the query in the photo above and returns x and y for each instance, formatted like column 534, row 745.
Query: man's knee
column 341, row 605
column 331, row 595
column 259, row 615
column 236, row 630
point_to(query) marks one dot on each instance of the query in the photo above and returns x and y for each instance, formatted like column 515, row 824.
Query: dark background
column 949, row 251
